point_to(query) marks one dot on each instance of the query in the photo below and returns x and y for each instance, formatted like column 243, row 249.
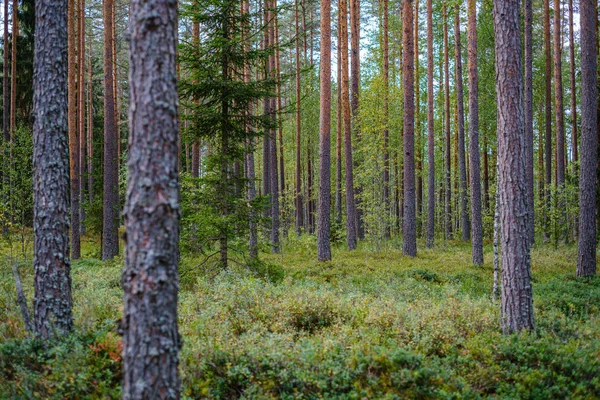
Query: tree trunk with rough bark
column 110, row 239
column 386, row 134
column 586, row 260
column 73, row 132
column 351, row 216
column 409, row 224
column 299, row 207
column 529, row 119
column 548, row 119
column 430, row 132
column 517, row 299
column 150, row 279
column 476, row 219
column 447, row 172
column 52, row 269
column 323, row 223
column 464, row 213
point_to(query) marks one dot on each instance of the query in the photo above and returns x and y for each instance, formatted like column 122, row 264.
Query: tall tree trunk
column 558, row 101
column 5, row 116
column 338, row 160
column 13, row 101
column 150, row 280
column 196, row 143
column 299, row 207
column 574, row 144
column 430, row 132
column 529, row 119
column 464, row 213
column 323, row 223
column 351, row 217
column 90, row 128
column 52, row 270
column 115, row 82
column 476, row 220
column 586, row 260
column 386, row 134
column 517, row 301
column 355, row 95
column 419, row 144
column 81, row 112
column 409, row 224
column 273, row 180
column 448, row 195
column 110, row 240
column 73, row 132
column 548, row 118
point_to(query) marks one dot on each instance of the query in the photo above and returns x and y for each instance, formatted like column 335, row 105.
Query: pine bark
column 351, row 216
column 386, row 134
column 409, row 224
column 418, row 142
column 517, row 301
column 53, row 302
column 448, row 184
column 73, row 132
column 338, row 160
column 5, row 117
column 586, row 260
column 299, row 207
column 430, row 132
column 150, row 280
column 558, row 98
column 323, row 223
column 476, row 219
column 81, row 111
column 110, row 240
column 464, row 213
column 548, row 118
column 574, row 140
column 527, row 5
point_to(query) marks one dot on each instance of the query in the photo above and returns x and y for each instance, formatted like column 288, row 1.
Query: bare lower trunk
column 448, row 194
column 586, row 261
column 73, row 133
column 299, row 208
column 110, row 241
column 464, row 214
column 517, row 300
column 430, row 131
column 548, row 118
column 323, row 223
column 409, row 225
column 476, row 219
column 150, row 279
column 52, row 269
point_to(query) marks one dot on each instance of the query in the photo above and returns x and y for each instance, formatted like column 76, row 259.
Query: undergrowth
column 369, row 324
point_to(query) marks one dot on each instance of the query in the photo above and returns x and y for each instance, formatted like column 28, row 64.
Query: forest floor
column 370, row 324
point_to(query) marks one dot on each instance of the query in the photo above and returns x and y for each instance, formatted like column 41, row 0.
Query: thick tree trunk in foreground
column 586, row 261
column 73, row 133
column 464, row 213
column 150, row 280
column 476, row 220
column 430, row 131
column 52, row 270
column 351, row 217
column 409, row 224
column 110, row 239
column 517, row 300
column 529, row 118
column 323, row 223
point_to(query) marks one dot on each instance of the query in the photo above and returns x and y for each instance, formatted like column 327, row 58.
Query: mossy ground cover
column 370, row 324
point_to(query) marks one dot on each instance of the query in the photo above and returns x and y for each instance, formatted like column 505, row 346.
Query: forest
column 300, row 199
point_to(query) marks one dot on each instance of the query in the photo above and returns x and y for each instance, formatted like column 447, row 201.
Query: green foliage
column 369, row 324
